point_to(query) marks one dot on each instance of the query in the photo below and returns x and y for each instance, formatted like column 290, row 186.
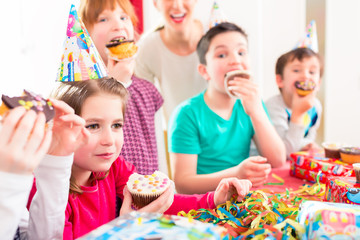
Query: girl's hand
column 69, row 132
column 121, row 70
column 23, row 141
column 256, row 169
column 159, row 205
column 249, row 93
column 230, row 186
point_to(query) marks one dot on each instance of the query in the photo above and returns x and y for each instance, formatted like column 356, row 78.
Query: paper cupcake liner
column 141, row 200
column 107, row 51
column 226, row 80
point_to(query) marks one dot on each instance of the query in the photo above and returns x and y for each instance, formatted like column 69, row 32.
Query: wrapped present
column 136, row 225
column 307, row 165
column 343, row 190
column 324, row 220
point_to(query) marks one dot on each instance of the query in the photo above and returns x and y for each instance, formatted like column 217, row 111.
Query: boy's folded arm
column 311, row 136
column 293, row 138
column 268, row 141
column 290, row 133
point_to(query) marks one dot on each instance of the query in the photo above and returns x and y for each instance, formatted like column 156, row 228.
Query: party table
column 290, row 182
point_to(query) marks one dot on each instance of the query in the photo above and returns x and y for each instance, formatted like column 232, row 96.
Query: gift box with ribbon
column 343, row 190
column 307, row 166
column 325, row 220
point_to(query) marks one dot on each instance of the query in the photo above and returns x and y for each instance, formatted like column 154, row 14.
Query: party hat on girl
column 310, row 39
column 80, row 60
column 216, row 16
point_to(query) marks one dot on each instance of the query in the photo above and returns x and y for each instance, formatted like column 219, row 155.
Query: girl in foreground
column 99, row 173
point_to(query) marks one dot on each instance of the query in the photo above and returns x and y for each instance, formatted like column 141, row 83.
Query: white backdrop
column 273, row 26
column 33, row 31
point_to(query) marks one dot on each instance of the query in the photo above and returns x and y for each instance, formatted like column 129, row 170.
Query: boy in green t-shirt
column 210, row 134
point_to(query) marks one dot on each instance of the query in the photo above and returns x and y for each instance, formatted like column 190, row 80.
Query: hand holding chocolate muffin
column 29, row 101
column 230, row 76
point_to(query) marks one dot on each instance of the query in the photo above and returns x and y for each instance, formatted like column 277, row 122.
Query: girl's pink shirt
column 96, row 206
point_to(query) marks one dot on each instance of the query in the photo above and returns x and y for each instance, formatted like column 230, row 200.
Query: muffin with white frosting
column 146, row 188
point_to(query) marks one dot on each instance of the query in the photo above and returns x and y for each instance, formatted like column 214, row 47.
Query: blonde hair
column 75, row 94
column 90, row 10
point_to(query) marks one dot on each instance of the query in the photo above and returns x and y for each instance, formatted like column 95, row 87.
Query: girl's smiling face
column 106, row 140
column 111, row 24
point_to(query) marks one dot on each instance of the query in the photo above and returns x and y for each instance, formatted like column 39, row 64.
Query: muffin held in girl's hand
column 120, row 49
column 303, row 88
column 29, row 101
column 146, row 188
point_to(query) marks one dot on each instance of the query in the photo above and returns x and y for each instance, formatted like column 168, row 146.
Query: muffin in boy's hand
column 120, row 49
column 29, row 101
column 146, row 188
column 303, row 88
column 231, row 75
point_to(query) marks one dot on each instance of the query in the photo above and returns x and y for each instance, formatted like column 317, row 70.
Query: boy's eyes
column 223, row 55
column 312, row 72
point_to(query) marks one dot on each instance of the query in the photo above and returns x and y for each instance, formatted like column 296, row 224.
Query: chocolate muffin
column 303, row 88
column 29, row 101
column 231, row 75
column 121, row 49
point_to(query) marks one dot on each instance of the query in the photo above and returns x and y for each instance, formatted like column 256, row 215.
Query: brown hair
column 204, row 43
column 299, row 54
column 90, row 10
column 75, row 94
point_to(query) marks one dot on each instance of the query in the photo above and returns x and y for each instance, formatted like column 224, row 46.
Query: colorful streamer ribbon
column 262, row 215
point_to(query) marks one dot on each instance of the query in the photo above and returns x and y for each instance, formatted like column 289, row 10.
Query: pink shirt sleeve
column 185, row 203
column 68, row 234
column 123, row 170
